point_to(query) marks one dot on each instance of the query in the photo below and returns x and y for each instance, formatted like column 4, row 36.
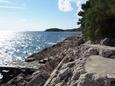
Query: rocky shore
column 72, row 62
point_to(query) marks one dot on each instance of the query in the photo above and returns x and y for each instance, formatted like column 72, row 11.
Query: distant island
column 60, row 30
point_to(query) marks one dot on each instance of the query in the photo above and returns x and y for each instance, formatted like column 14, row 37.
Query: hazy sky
column 23, row 15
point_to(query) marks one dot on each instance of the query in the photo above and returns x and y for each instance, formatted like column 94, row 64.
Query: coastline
column 68, row 63
column 47, row 59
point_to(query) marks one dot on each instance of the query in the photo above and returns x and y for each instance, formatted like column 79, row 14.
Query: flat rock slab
column 98, row 46
column 100, row 65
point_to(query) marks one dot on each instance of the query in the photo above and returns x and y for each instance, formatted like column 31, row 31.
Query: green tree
column 98, row 19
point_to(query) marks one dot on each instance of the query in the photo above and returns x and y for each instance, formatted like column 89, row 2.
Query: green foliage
column 98, row 19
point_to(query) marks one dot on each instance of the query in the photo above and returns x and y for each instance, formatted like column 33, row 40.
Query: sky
column 38, row 15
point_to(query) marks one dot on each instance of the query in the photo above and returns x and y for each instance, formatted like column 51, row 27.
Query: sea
column 19, row 45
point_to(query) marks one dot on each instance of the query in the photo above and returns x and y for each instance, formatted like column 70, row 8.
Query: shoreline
column 63, row 43
column 67, row 63
column 45, row 55
column 23, row 47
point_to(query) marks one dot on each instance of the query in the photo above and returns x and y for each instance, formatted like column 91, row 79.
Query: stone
column 80, row 41
column 112, row 56
column 64, row 74
column 108, row 41
column 88, row 42
column 100, row 65
column 92, row 51
column 60, row 84
column 69, row 64
column 39, row 79
column 77, row 74
column 105, row 41
column 20, row 80
column 35, row 73
column 90, row 79
column 106, row 53
column 30, row 59
column 55, row 81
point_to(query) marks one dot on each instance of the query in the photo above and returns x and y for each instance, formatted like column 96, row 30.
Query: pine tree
column 98, row 19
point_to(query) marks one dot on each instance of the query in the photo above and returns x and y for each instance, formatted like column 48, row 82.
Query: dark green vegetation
column 54, row 29
column 98, row 19
column 57, row 29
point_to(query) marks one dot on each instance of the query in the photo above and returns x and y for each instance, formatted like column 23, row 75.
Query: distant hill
column 54, row 29
column 57, row 29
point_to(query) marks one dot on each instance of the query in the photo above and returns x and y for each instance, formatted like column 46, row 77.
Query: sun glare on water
column 5, row 37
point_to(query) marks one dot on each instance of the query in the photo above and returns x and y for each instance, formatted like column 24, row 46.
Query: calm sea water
column 19, row 45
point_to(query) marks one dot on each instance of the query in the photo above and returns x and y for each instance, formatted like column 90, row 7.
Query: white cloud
column 65, row 5
column 79, row 3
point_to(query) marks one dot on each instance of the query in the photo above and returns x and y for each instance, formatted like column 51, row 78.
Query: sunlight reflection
column 5, row 35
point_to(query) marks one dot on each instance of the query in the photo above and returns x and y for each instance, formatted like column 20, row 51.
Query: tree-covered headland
column 98, row 19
